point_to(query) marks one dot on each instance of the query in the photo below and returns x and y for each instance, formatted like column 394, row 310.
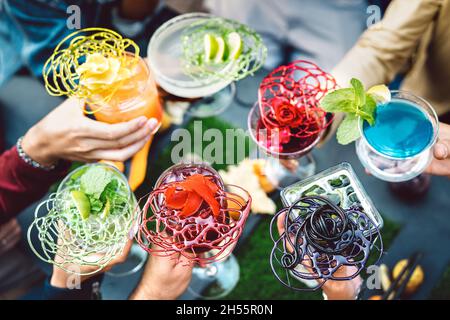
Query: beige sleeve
column 385, row 47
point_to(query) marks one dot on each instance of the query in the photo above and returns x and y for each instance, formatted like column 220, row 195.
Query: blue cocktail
column 397, row 147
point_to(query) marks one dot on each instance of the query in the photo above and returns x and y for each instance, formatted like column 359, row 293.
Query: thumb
column 441, row 151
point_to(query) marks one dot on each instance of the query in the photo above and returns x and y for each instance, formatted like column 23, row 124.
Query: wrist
column 35, row 145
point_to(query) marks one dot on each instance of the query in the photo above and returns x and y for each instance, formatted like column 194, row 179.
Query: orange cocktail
column 136, row 96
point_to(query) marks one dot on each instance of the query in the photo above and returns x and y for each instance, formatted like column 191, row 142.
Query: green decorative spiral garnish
column 86, row 223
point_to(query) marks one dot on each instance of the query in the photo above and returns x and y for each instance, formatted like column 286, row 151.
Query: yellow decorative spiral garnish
column 90, row 64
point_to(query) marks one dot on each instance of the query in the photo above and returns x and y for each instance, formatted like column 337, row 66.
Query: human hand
column 440, row 165
column 10, row 234
column 66, row 133
column 164, row 278
column 63, row 279
column 333, row 289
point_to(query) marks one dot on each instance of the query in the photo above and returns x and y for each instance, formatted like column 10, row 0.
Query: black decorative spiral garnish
column 321, row 237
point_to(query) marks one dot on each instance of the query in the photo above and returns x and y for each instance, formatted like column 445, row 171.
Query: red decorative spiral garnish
column 289, row 102
column 192, row 215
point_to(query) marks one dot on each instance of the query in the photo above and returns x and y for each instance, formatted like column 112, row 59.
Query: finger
column 120, row 154
column 441, row 151
column 125, row 141
column 280, row 223
column 439, row 168
column 106, row 131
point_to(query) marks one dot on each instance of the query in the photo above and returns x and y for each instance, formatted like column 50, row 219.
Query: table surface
column 426, row 224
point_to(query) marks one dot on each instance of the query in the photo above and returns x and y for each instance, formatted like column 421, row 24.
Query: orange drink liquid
column 137, row 96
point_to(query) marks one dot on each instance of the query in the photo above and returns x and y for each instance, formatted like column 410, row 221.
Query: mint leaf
column 348, row 130
column 96, row 205
column 369, row 109
column 95, row 180
column 342, row 100
column 360, row 94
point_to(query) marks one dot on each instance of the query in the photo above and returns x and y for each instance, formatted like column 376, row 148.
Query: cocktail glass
column 79, row 244
column 138, row 96
column 204, row 238
column 175, row 55
column 287, row 121
column 399, row 145
column 129, row 97
column 331, row 227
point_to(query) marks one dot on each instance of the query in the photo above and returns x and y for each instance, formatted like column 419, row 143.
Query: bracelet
column 28, row 160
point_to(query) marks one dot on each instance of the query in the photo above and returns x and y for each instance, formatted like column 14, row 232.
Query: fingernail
column 440, row 151
column 152, row 122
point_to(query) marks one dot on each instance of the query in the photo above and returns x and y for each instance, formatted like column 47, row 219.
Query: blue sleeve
column 38, row 27
column 89, row 290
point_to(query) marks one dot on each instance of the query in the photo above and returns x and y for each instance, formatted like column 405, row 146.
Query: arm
column 65, row 133
column 164, row 278
column 21, row 184
column 385, row 47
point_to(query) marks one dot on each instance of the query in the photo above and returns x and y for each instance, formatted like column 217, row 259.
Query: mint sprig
column 358, row 106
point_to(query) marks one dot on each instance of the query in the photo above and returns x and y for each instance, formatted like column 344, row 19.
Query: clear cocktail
column 198, row 56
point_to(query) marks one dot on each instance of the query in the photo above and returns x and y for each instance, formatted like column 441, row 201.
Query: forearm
column 382, row 51
column 21, row 184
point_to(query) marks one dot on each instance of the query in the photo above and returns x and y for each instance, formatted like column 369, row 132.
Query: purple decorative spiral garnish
column 319, row 238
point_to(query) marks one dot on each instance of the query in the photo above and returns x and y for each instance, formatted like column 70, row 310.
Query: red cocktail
column 190, row 212
column 287, row 121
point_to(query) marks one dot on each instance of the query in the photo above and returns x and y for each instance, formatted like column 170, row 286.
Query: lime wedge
column 380, row 93
column 220, row 50
column 82, row 203
column 235, row 45
column 106, row 210
column 211, row 46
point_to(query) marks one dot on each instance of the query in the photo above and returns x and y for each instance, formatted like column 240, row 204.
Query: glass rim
column 186, row 165
column 426, row 108
column 296, row 154
column 193, row 83
column 97, row 164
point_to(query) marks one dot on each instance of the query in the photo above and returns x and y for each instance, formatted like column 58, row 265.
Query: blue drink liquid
column 401, row 129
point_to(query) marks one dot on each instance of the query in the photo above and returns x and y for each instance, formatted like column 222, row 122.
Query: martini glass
column 330, row 229
column 205, row 238
column 176, row 52
column 398, row 147
column 287, row 121
column 75, row 237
